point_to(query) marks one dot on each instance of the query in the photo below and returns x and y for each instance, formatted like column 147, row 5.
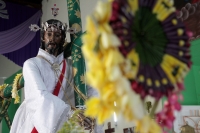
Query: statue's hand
column 86, row 122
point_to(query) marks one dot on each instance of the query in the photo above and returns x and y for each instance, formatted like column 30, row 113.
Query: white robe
column 41, row 109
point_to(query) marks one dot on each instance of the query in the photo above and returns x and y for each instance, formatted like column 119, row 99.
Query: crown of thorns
column 53, row 27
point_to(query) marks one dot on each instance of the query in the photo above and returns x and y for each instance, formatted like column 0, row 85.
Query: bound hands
column 85, row 122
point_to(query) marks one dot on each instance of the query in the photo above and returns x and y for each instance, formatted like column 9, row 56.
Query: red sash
column 57, row 88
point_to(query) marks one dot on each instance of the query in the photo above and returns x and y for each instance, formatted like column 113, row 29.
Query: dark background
column 38, row 3
column 31, row 3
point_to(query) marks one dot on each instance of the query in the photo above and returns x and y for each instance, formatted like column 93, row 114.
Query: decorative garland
column 135, row 48
column 2, row 87
column 14, row 91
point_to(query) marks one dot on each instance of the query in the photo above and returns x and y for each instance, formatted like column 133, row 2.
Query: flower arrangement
column 72, row 125
column 135, row 48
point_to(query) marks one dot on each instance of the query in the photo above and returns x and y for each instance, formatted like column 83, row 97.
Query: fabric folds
column 19, row 36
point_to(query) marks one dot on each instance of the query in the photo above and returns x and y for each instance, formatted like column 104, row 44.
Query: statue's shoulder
column 34, row 61
column 30, row 60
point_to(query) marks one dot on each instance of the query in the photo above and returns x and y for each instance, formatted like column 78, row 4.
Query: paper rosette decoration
column 155, row 42
column 134, row 46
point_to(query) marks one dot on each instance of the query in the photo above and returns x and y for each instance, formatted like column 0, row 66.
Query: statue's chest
column 50, row 76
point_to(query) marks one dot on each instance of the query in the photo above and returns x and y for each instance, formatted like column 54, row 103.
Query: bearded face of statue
column 53, row 40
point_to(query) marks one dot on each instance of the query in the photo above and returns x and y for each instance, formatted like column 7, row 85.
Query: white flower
column 109, row 40
column 114, row 73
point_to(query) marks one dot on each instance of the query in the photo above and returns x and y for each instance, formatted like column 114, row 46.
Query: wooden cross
column 109, row 130
column 129, row 130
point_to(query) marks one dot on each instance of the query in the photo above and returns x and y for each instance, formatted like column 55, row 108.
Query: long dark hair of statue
column 63, row 33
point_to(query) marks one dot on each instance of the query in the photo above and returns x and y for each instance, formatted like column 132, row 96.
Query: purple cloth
column 19, row 36
column 24, row 43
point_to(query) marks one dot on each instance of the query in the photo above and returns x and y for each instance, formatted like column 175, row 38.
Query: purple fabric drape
column 19, row 14
column 19, row 36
